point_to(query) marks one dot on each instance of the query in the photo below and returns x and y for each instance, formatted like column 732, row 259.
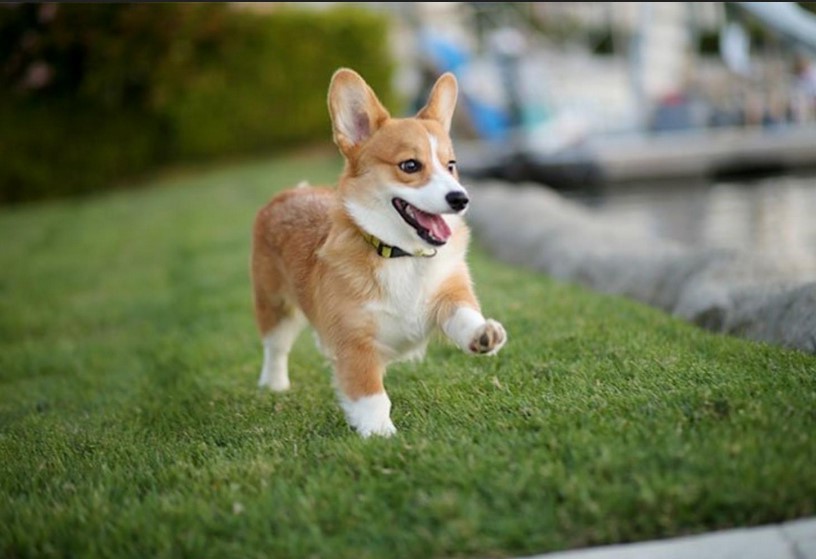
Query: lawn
column 131, row 425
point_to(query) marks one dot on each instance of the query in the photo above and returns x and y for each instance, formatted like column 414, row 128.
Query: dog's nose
column 457, row 200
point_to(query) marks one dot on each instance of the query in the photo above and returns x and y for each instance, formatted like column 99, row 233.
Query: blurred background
column 695, row 120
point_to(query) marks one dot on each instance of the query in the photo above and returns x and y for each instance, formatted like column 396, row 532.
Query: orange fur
column 309, row 254
column 455, row 291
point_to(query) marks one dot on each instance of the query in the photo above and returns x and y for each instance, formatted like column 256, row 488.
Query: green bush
column 60, row 149
column 266, row 86
column 123, row 88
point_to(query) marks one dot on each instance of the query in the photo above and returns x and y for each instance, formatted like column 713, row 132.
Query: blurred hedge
column 92, row 93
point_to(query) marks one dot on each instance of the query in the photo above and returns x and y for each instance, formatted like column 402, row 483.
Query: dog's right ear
column 356, row 113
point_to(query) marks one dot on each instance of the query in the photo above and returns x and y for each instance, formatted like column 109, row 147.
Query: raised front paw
column 488, row 339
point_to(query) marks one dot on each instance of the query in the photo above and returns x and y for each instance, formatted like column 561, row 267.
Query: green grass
column 131, row 426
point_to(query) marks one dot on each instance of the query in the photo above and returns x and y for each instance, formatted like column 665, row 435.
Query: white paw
column 274, row 376
column 384, row 429
column 488, row 338
column 369, row 415
column 275, row 383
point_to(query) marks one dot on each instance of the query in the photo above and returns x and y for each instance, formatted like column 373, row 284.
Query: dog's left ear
column 441, row 101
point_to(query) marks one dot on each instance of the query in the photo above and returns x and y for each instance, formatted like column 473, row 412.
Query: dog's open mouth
column 430, row 227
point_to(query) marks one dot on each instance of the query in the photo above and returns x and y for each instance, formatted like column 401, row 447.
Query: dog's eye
column 451, row 166
column 410, row 166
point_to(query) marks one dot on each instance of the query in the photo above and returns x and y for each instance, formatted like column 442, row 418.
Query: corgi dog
column 377, row 264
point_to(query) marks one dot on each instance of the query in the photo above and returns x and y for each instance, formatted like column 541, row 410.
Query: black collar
column 388, row 251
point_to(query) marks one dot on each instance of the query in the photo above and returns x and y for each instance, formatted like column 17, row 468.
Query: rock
column 784, row 316
column 721, row 290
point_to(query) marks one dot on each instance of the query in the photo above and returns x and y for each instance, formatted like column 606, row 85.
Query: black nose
column 457, row 200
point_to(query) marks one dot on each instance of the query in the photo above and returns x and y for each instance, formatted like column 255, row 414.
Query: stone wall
column 722, row 290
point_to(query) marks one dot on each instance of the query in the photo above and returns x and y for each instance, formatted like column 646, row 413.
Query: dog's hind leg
column 277, row 342
column 279, row 322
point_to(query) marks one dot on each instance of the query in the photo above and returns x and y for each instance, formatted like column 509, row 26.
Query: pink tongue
column 433, row 223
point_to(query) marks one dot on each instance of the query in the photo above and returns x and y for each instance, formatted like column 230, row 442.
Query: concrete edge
column 790, row 540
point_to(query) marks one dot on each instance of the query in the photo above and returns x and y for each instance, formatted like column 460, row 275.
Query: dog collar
column 388, row 251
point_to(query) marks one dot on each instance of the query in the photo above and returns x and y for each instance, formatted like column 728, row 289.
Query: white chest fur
column 404, row 315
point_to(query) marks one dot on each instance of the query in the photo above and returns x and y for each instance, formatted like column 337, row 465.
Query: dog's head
column 400, row 183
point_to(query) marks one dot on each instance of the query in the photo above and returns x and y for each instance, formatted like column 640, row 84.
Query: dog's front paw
column 488, row 339
column 370, row 415
column 384, row 429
